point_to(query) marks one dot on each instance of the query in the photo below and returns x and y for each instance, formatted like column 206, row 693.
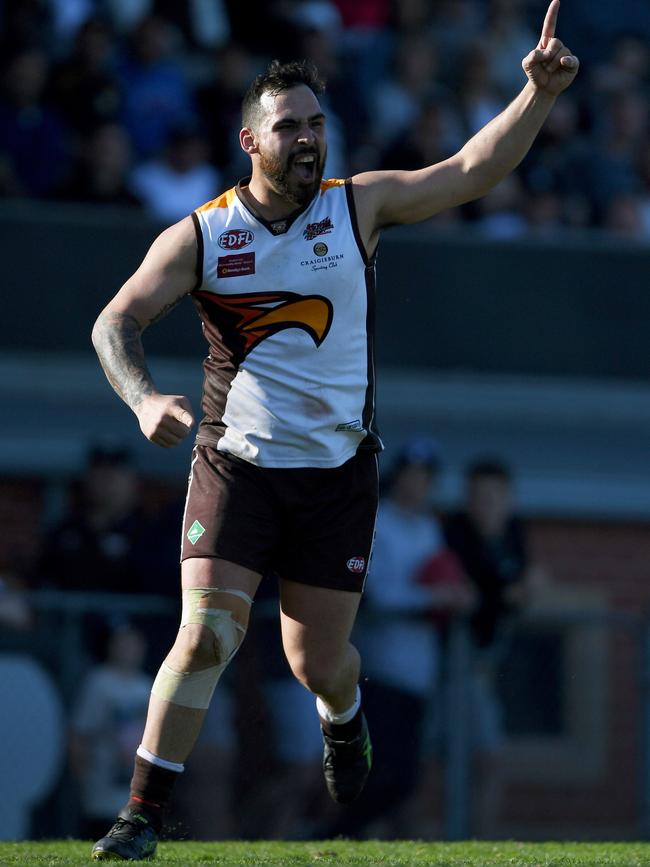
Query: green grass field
column 343, row 852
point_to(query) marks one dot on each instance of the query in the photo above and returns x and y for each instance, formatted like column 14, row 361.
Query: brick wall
column 611, row 562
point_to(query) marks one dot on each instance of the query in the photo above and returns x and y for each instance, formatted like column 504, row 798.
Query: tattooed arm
column 167, row 274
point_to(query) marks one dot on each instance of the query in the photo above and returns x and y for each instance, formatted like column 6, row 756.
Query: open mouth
column 304, row 165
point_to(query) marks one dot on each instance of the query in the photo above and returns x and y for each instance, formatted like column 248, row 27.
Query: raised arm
column 395, row 197
column 166, row 275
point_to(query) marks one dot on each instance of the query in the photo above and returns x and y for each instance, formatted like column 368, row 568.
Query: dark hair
column 277, row 78
column 491, row 467
column 418, row 450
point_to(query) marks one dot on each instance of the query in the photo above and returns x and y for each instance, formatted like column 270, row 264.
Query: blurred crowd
column 136, row 103
column 430, row 574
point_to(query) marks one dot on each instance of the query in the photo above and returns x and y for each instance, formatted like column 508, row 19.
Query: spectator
column 544, row 214
column 202, row 24
column 598, row 24
column 397, row 101
column 429, row 140
column 397, row 636
column 83, row 86
column 93, row 547
column 478, row 98
column 33, row 139
column 413, row 16
column 181, row 180
column 68, row 17
column 500, row 212
column 624, row 216
column 491, row 543
column 367, row 40
column 457, row 25
column 219, row 105
column 156, row 98
column 126, row 15
column 621, row 135
column 559, row 163
column 343, row 103
column 101, row 170
column 387, row 64
column 627, row 68
column 106, row 727
column 508, row 39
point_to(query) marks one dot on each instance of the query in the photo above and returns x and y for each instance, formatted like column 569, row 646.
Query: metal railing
column 60, row 644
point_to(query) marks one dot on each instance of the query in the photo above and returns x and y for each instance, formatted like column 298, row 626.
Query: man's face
column 291, row 143
column 412, row 485
column 489, row 503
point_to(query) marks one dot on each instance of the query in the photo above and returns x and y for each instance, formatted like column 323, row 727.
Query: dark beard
column 278, row 176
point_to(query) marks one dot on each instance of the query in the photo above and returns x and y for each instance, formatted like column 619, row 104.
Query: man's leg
column 316, row 626
column 213, row 626
column 172, row 728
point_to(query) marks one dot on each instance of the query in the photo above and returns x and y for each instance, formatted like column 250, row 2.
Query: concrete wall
column 446, row 302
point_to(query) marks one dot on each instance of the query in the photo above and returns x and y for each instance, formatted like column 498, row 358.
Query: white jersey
column 288, row 312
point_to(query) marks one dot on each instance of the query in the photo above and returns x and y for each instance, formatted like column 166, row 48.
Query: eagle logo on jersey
column 261, row 314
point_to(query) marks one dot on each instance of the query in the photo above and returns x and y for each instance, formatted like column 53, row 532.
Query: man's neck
column 266, row 202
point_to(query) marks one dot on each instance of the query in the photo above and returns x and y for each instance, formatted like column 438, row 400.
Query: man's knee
column 196, row 647
column 213, row 625
column 319, row 675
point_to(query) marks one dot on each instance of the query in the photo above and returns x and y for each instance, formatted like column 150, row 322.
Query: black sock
column 151, row 788
column 345, row 731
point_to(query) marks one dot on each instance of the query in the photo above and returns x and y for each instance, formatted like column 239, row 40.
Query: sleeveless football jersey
column 287, row 309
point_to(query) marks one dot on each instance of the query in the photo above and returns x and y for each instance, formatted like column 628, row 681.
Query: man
column 284, row 470
column 490, row 541
column 398, row 633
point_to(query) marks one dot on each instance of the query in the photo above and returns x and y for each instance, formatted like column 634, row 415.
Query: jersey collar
column 275, row 227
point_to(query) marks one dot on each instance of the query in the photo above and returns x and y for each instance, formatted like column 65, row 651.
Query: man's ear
column 247, row 141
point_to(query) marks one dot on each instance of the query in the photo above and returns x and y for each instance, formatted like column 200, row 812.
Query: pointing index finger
column 548, row 28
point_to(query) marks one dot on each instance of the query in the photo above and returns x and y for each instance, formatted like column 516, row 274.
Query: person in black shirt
column 490, row 541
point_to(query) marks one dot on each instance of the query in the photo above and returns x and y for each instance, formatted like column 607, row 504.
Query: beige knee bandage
column 195, row 688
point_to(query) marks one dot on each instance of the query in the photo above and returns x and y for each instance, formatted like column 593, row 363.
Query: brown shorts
column 310, row 525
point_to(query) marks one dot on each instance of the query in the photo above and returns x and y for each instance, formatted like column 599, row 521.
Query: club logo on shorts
column 195, row 532
column 356, row 564
column 235, row 239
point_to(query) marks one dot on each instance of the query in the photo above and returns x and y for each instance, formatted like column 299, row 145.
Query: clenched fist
column 165, row 419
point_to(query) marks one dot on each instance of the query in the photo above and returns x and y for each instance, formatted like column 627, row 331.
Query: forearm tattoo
column 118, row 344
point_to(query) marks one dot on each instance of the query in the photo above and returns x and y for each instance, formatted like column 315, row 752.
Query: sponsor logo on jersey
column 195, row 532
column 258, row 315
column 235, row 239
column 321, row 249
column 324, row 262
column 356, row 564
column 313, row 230
column 350, row 425
column 237, row 265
